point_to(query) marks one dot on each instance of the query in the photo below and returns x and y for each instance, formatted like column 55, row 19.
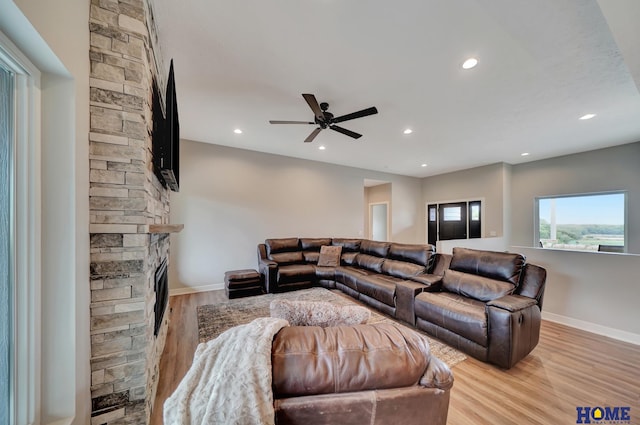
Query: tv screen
column 166, row 135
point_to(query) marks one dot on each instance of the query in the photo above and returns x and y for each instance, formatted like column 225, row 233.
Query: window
column 19, row 247
column 585, row 222
column 452, row 213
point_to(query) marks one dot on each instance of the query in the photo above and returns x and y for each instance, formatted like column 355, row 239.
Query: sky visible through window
column 590, row 209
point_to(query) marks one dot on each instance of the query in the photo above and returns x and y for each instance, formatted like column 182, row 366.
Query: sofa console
column 484, row 303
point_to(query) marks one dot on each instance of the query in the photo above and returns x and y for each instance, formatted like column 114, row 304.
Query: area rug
column 213, row 319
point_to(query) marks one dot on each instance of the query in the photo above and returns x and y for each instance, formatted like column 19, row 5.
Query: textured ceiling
column 542, row 65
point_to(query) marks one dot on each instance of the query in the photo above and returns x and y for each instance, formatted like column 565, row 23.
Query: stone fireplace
column 127, row 204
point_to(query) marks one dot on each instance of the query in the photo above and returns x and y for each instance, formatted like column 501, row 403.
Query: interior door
column 452, row 221
column 379, row 221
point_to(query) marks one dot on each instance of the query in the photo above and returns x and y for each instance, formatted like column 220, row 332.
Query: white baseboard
column 193, row 290
column 593, row 328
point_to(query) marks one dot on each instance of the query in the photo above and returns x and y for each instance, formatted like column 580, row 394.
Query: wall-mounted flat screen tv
column 166, row 135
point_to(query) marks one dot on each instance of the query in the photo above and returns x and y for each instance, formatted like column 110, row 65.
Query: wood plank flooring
column 568, row 368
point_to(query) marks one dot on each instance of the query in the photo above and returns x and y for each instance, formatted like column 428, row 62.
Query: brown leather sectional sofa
column 484, row 303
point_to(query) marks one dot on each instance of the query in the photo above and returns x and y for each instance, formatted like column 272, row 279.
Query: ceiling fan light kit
column 325, row 119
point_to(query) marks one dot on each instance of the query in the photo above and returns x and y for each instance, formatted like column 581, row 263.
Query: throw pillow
column 318, row 313
column 330, row 256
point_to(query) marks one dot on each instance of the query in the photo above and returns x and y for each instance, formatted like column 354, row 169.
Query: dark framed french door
column 454, row 220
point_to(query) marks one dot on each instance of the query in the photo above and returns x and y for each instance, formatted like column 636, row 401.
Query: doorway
column 379, row 221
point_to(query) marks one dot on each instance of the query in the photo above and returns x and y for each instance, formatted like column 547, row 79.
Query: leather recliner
column 487, row 304
column 366, row 374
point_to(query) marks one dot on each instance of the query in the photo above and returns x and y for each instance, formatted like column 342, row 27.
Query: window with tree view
column 587, row 222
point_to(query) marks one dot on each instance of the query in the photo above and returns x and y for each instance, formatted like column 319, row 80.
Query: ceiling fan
column 326, row 119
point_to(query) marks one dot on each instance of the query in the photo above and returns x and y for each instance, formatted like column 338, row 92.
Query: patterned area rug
column 214, row 319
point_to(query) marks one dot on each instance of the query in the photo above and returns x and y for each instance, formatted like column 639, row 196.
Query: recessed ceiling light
column 237, row 131
column 423, row 165
column 408, row 131
column 470, row 63
column 321, row 147
column 524, row 154
column 587, row 116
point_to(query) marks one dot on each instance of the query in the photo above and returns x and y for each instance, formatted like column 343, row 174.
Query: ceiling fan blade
column 313, row 135
column 315, row 107
column 290, row 122
column 354, row 115
column 345, row 131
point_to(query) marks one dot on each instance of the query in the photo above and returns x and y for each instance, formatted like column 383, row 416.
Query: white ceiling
column 542, row 65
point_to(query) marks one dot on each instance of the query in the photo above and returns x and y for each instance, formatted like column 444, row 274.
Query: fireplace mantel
column 165, row 228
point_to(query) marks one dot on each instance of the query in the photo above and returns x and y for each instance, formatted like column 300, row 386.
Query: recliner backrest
column 483, row 275
column 502, row 266
column 422, row 255
column 311, row 248
column 310, row 360
column 314, row 244
column 350, row 248
column 376, row 248
column 284, row 250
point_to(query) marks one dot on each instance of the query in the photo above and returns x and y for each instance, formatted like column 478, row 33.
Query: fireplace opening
column 162, row 295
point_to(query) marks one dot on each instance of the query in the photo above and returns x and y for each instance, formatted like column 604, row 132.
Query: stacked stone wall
column 125, row 197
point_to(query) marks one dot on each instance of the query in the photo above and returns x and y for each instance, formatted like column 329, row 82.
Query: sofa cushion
column 461, row 315
column 377, row 288
column 348, row 258
column 347, row 244
column 311, row 256
column 417, row 254
column 296, row 273
column 494, row 265
column 401, row 269
column 285, row 258
column 474, row 286
column 376, row 248
column 313, row 244
column 281, row 245
column 309, row 360
column 369, row 262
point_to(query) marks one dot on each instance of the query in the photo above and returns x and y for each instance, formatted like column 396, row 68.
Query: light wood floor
column 568, row 368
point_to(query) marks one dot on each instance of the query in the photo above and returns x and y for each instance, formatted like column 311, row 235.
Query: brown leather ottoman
column 242, row 283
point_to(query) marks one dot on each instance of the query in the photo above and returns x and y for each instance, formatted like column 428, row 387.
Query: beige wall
column 55, row 37
column 611, row 169
column 584, row 289
column 232, row 199
column 485, row 183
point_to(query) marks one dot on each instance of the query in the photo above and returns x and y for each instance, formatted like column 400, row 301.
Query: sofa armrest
column 512, row 302
column 514, row 329
column 431, row 282
column 406, row 292
column 438, row 375
column 268, row 269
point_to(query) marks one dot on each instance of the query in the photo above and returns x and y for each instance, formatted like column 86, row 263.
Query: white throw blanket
column 230, row 379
